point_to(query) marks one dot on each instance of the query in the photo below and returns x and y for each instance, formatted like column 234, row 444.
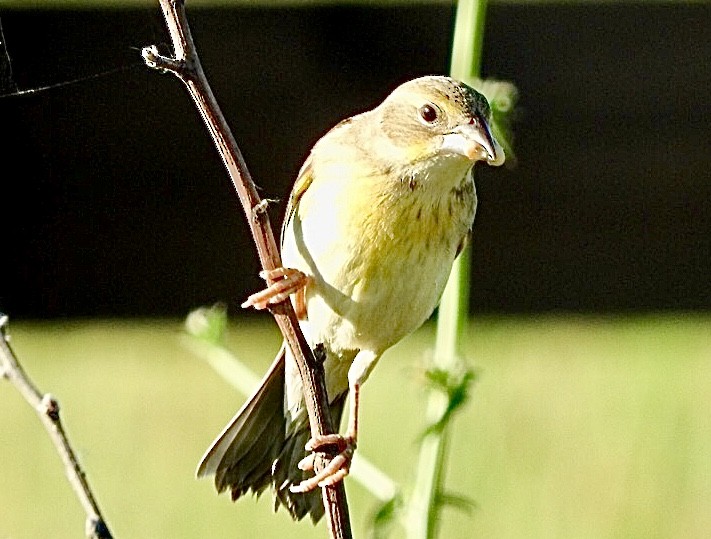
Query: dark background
column 114, row 201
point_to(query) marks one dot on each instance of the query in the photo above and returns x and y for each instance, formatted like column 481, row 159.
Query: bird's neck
column 437, row 175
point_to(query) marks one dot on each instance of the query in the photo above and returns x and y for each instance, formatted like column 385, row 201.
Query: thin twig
column 47, row 409
column 186, row 66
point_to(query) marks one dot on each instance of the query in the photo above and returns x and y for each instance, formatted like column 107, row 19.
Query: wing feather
column 303, row 182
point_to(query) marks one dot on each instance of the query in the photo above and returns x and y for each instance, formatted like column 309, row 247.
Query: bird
column 381, row 207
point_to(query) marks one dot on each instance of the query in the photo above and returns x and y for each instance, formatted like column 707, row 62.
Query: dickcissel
column 379, row 211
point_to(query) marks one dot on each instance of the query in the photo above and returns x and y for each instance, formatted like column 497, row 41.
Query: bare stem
column 186, row 66
column 47, row 409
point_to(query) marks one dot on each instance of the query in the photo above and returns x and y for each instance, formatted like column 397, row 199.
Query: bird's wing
column 336, row 144
column 303, row 181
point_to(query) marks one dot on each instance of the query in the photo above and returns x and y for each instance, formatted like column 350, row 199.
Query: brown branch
column 47, row 408
column 186, row 66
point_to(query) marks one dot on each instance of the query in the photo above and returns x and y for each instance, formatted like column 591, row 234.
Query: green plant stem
column 423, row 509
column 468, row 40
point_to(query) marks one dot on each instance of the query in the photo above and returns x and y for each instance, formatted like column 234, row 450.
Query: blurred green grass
column 577, row 427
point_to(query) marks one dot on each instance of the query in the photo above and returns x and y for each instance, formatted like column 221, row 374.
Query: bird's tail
column 256, row 449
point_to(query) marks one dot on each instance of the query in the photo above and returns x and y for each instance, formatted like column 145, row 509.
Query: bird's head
column 434, row 116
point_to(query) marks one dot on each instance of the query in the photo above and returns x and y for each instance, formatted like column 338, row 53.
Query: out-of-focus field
column 578, row 427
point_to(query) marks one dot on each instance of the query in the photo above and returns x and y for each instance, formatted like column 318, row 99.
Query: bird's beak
column 475, row 142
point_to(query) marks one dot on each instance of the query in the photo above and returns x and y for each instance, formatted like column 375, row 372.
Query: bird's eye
column 429, row 113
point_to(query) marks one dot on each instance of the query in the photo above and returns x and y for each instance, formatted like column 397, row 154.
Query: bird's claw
column 282, row 282
column 336, row 470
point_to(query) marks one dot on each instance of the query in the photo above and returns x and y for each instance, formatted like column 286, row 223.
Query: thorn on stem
column 320, row 353
column 50, row 407
column 260, row 208
column 4, row 322
column 97, row 528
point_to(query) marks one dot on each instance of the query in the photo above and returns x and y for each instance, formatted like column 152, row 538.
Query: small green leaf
column 456, row 386
column 457, row 501
column 208, row 323
column 385, row 516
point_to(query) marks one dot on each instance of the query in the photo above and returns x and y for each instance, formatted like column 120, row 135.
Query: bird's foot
column 281, row 283
column 336, row 470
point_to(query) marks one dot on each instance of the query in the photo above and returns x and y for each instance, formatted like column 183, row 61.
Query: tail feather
column 256, row 449
column 264, row 410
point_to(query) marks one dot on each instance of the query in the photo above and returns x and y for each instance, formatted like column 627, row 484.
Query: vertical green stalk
column 468, row 40
column 423, row 509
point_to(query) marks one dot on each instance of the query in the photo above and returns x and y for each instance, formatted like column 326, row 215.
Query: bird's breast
column 378, row 253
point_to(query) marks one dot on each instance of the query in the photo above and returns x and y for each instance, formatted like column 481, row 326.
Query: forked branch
column 186, row 66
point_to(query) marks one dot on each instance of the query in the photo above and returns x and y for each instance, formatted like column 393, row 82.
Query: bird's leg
column 339, row 466
column 281, row 283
